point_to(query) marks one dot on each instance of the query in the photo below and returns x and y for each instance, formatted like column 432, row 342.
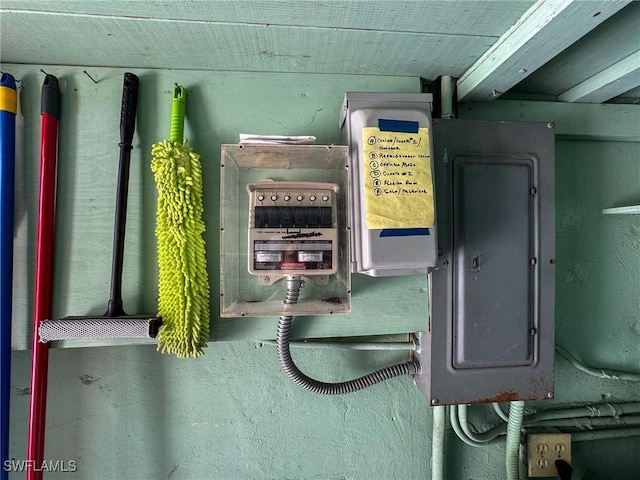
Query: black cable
column 564, row 470
column 323, row 388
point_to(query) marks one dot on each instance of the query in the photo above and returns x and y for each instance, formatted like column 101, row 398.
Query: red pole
column 44, row 275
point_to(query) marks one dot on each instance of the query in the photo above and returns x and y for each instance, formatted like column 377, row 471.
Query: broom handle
column 8, row 109
column 50, row 110
column 127, row 127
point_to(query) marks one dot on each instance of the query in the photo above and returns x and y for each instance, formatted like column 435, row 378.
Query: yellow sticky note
column 398, row 185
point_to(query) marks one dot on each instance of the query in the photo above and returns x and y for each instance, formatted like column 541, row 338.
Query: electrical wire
column 589, row 423
column 598, row 372
column 605, row 434
column 498, row 409
column 580, row 417
column 599, row 410
column 457, row 428
column 464, row 425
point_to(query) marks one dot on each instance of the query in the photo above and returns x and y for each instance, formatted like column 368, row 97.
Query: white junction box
column 391, row 178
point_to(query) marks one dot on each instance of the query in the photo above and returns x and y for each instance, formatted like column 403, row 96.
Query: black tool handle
column 127, row 127
column 50, row 97
column 129, row 108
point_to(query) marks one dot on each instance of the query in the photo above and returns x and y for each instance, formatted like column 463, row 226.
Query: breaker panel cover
column 491, row 336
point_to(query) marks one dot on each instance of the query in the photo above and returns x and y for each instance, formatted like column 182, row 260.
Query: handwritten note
column 398, row 185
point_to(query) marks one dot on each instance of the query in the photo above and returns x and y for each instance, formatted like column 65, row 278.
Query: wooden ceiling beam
column 545, row 30
column 611, row 82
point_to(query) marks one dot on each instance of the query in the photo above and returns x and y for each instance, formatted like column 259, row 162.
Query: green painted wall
column 129, row 412
column 220, row 106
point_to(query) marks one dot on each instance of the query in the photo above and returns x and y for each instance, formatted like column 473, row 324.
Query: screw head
column 435, row 401
column 549, row 394
column 550, row 125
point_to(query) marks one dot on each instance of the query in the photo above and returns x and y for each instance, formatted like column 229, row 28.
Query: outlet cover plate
column 544, row 450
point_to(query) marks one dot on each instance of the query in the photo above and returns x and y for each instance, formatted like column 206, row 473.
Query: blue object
column 8, row 109
column 404, row 232
column 400, row 126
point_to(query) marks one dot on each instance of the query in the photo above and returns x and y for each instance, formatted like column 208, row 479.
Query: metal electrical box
column 391, row 178
column 491, row 328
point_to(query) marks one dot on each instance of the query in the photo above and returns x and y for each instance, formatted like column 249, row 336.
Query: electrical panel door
column 491, row 326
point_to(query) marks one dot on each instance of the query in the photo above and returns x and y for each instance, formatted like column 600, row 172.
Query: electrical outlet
column 544, row 450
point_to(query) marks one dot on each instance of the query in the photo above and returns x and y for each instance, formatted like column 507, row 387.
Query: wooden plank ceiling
column 568, row 50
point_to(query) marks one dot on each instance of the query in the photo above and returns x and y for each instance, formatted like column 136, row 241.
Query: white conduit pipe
column 516, row 417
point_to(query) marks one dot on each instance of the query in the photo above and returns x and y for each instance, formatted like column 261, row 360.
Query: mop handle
column 8, row 109
column 178, row 107
column 127, row 127
column 50, row 109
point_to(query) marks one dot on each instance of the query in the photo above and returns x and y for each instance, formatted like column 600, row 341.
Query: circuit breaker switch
column 297, row 239
column 309, row 256
column 266, row 257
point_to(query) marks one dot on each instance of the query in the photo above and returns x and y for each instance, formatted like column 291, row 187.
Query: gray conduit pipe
column 447, row 89
column 383, row 346
column 437, row 442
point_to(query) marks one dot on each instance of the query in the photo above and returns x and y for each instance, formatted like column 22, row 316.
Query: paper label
column 398, row 185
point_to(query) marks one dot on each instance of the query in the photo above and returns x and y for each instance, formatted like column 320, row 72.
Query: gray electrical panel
column 491, row 326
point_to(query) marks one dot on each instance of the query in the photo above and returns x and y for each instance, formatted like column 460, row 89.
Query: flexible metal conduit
column 323, row 388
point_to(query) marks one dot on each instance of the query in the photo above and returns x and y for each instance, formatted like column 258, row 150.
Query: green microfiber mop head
column 183, row 300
